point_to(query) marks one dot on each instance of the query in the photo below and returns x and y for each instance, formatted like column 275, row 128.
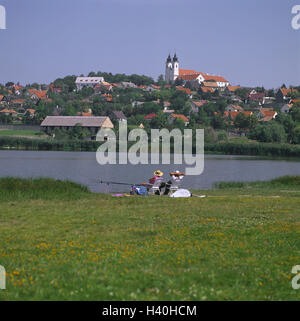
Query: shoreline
column 221, row 148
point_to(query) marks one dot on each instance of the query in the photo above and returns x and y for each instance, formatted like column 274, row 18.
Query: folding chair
column 155, row 187
column 175, row 184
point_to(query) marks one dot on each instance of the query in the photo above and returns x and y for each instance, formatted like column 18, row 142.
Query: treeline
column 254, row 149
column 21, row 143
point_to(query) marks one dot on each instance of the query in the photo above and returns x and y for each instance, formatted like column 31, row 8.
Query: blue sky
column 249, row 42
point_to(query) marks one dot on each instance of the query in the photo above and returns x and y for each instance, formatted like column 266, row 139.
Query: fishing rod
column 116, row 183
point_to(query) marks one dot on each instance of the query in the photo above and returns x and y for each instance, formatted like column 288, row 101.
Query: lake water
column 83, row 168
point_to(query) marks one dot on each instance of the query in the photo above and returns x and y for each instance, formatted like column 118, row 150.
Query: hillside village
column 76, row 107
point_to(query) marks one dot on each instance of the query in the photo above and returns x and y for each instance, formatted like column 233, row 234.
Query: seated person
column 176, row 178
column 157, row 175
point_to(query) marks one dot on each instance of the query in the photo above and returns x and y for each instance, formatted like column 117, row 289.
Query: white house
column 88, row 82
column 285, row 109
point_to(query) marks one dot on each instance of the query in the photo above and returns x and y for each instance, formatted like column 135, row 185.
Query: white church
column 173, row 72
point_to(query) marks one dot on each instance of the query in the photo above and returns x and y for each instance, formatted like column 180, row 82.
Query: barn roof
column 70, row 121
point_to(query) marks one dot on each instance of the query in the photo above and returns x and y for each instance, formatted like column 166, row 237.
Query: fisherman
column 157, row 176
column 176, row 178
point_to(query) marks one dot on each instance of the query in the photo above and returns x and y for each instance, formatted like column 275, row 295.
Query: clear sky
column 250, row 42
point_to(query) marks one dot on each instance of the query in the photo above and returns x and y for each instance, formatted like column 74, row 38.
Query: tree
column 269, row 133
column 296, row 135
column 241, row 92
column 295, row 112
column 218, row 122
column 241, row 121
column 161, row 80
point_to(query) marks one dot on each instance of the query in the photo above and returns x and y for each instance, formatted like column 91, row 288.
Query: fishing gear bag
column 139, row 190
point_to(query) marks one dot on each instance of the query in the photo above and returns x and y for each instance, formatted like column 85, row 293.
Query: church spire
column 169, row 59
column 175, row 58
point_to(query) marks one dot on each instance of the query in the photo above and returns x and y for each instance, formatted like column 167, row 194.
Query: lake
column 82, row 167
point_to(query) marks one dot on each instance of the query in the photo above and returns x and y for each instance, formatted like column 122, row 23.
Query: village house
column 91, row 123
column 286, row 108
column 234, row 108
column 16, row 89
column 126, row 84
column 18, row 102
column 118, row 116
column 87, row 82
column 195, row 105
column 283, row 95
column 230, row 90
column 173, row 117
column 3, row 100
column 36, row 94
column 55, row 90
column 9, row 112
column 186, row 90
column 207, row 90
column 137, row 103
column 233, row 114
column 254, row 96
column 210, row 84
column 266, row 114
column 30, row 112
column 150, row 89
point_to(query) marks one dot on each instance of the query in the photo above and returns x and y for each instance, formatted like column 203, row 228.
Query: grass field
column 11, row 132
column 22, row 133
column 61, row 242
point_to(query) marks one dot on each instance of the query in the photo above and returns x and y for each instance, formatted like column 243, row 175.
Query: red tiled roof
column 183, row 72
column 215, row 78
column 18, row 101
column 287, row 92
column 155, row 87
column 185, row 119
column 199, row 103
column 233, row 114
column 31, row 111
column 270, row 113
column 233, row 88
column 10, row 111
column 17, row 87
column 190, row 76
column 207, row 89
column 186, row 90
column 40, row 94
column 150, row 116
column 293, row 101
column 83, row 114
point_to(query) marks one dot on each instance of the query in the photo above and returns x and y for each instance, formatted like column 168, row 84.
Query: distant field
column 61, row 242
column 25, row 132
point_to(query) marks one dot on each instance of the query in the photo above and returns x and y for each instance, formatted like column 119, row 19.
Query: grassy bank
column 21, row 133
column 59, row 241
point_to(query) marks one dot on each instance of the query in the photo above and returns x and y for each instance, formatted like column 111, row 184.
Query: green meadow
column 61, row 242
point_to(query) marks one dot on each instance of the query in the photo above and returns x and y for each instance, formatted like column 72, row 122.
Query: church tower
column 172, row 69
column 169, row 69
column 175, row 67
